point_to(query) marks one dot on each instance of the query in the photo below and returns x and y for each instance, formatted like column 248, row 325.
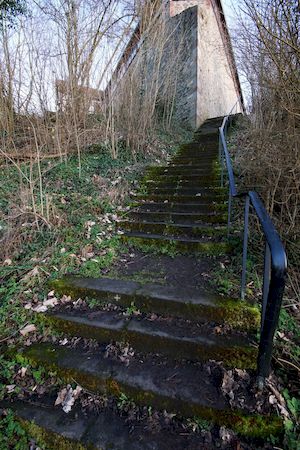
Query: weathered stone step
column 182, row 170
column 175, row 217
column 183, row 179
column 174, row 243
column 104, row 430
column 182, row 160
column 167, row 183
column 188, row 175
column 174, row 229
column 198, row 149
column 179, row 196
column 187, row 188
column 201, row 157
column 187, row 390
column 171, row 338
column 183, row 167
column 203, row 207
column 186, row 302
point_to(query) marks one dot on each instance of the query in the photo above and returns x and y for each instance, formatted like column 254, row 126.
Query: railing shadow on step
column 275, row 259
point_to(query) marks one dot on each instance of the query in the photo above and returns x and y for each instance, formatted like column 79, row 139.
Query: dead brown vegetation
column 269, row 148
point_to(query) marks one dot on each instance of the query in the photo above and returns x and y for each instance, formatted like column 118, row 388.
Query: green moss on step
column 172, row 248
column 247, row 425
column 237, row 356
column 239, row 315
column 172, row 229
column 46, row 439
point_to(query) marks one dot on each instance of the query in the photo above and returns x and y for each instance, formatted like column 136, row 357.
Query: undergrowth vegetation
column 75, row 233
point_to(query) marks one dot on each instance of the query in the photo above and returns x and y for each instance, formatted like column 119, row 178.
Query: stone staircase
column 184, row 206
column 182, row 209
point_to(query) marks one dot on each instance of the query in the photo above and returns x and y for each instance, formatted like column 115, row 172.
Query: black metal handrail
column 275, row 260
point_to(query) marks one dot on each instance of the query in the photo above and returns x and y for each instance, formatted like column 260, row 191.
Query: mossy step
column 192, row 163
column 184, row 160
column 212, row 180
column 175, row 217
column 197, row 156
column 189, row 394
column 173, row 244
column 105, row 429
column 181, row 167
column 201, row 152
column 167, row 183
column 179, row 196
column 175, row 339
column 188, row 303
column 182, row 207
column 187, row 170
column 199, row 185
column 174, row 229
column 197, row 191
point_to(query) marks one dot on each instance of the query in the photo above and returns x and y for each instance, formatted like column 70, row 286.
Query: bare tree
column 269, row 52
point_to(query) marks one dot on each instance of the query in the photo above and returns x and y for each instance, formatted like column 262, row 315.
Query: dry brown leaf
column 10, row 388
column 67, row 397
column 7, row 262
column 32, row 273
column 40, row 308
column 50, row 302
column 23, row 371
column 28, row 329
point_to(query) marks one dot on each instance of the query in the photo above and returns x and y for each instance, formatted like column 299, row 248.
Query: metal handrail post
column 245, row 247
column 229, row 212
column 266, row 281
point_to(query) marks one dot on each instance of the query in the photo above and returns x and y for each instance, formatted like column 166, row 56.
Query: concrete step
column 182, row 170
column 185, row 302
column 182, row 167
column 180, row 196
column 195, row 160
column 173, row 338
column 187, row 174
column 169, row 243
column 174, row 229
column 176, row 217
column 200, row 155
column 169, row 189
column 105, row 429
column 168, row 183
column 185, row 389
column 211, row 180
column 203, row 207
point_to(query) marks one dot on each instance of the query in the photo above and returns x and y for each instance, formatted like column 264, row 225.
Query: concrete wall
column 186, row 74
column 217, row 91
column 203, row 72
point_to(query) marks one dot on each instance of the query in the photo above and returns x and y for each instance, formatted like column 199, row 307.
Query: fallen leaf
column 67, row 397
column 10, row 388
column 23, row 371
column 7, row 262
column 60, row 397
column 28, row 329
column 40, row 308
column 50, row 302
column 32, row 273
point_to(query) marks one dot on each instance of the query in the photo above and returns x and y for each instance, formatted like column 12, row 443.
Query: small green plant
column 12, row 434
column 94, row 302
column 124, row 403
column 198, row 424
column 292, row 425
column 132, row 310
